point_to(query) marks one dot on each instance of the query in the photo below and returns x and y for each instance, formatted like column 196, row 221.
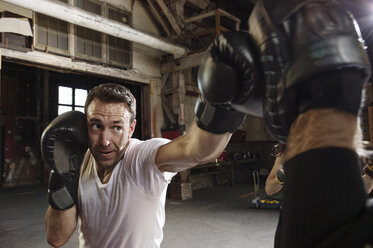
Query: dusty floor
column 217, row 217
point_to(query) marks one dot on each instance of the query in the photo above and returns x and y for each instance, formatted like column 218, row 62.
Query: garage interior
column 50, row 60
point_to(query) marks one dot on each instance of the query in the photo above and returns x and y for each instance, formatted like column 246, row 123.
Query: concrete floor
column 216, row 217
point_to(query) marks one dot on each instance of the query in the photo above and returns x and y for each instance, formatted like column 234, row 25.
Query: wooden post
column 370, row 118
column 217, row 21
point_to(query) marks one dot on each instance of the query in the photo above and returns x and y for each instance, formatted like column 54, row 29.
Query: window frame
column 129, row 22
column 72, row 38
column 47, row 47
column 73, row 105
column 102, row 43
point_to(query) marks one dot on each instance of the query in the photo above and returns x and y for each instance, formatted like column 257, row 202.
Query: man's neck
column 104, row 173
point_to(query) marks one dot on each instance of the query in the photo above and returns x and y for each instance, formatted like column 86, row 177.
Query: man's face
column 109, row 131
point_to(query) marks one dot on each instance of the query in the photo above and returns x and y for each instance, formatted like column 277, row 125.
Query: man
column 123, row 181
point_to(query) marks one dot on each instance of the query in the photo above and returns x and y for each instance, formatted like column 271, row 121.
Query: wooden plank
column 224, row 29
column 200, row 17
column 229, row 15
column 183, row 63
column 169, row 16
column 202, row 4
column 15, row 9
column 52, row 60
column 158, row 17
column 205, row 32
column 168, row 111
column 77, row 16
column 170, row 91
column 192, row 88
column 146, row 113
column 217, row 23
column 164, row 79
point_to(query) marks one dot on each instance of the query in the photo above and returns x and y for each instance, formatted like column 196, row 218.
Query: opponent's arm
column 272, row 184
column 368, row 183
column 63, row 144
column 368, row 177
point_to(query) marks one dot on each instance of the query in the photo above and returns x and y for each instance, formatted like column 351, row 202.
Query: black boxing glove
column 312, row 56
column 227, row 79
column 63, row 145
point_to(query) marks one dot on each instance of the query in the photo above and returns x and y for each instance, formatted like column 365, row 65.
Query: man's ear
column 132, row 127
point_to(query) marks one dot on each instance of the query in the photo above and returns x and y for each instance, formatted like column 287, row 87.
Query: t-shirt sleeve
column 143, row 170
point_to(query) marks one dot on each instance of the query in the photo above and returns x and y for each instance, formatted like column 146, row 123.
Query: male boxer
column 306, row 62
column 123, row 181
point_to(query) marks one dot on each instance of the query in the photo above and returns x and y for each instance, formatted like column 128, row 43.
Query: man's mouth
column 104, row 154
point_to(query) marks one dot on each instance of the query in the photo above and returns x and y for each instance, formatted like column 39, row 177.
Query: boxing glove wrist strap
column 62, row 192
column 215, row 119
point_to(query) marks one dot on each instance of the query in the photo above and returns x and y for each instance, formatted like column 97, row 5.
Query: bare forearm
column 60, row 225
column 368, row 183
column 205, row 146
column 196, row 147
column 272, row 186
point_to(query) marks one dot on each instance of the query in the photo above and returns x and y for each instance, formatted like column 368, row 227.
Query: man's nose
column 105, row 138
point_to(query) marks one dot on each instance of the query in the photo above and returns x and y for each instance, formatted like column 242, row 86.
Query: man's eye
column 117, row 128
column 96, row 126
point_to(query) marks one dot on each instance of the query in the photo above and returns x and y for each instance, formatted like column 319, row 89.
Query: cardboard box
column 180, row 191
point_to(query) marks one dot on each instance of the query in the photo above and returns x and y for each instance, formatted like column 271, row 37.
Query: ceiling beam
column 65, row 63
column 92, row 21
column 169, row 16
column 158, row 17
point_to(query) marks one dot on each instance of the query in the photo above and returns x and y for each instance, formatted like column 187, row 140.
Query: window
column 118, row 49
column 54, row 35
column 71, row 99
column 89, row 5
column 88, row 42
column 51, row 33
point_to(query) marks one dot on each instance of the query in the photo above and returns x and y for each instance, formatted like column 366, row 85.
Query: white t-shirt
column 128, row 211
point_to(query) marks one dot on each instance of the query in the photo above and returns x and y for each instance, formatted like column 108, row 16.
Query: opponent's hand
column 63, row 145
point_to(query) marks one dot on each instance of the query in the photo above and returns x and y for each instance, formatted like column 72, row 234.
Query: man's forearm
column 206, row 146
column 60, row 225
column 196, row 147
